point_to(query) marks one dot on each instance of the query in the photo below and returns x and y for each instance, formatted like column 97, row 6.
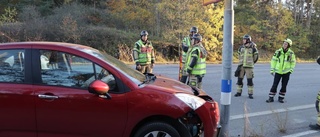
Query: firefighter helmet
column 194, row 29
column 289, row 41
column 247, row 37
column 144, row 33
column 197, row 37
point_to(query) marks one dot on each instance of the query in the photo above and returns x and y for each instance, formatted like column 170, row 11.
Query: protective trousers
column 195, row 80
column 184, row 74
column 284, row 82
column 248, row 72
column 145, row 68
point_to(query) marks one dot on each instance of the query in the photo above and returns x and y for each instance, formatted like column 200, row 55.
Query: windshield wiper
column 149, row 77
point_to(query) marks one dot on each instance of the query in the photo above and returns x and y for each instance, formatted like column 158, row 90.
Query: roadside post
column 226, row 81
column 227, row 52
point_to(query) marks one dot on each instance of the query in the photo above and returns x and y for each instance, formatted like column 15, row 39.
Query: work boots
column 280, row 99
column 239, row 90
column 270, row 100
column 250, row 96
column 314, row 126
column 237, row 94
column 250, row 91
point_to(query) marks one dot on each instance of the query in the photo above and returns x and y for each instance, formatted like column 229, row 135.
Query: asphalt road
column 255, row 117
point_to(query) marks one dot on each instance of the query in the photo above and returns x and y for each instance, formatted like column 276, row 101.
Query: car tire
column 156, row 129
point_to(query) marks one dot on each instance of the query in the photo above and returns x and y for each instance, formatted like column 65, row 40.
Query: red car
column 52, row 89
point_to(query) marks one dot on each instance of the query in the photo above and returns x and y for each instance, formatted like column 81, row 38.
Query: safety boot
column 250, row 91
column 237, row 94
column 280, row 99
column 314, row 126
column 270, row 100
column 250, row 96
column 239, row 90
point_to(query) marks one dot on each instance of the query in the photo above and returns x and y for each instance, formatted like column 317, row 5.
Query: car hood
column 174, row 86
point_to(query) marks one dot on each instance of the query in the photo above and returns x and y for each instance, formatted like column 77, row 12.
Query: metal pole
column 226, row 81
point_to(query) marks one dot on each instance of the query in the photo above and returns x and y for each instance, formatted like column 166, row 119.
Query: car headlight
column 192, row 101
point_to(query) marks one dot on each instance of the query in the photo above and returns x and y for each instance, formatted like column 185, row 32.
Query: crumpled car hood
column 175, row 86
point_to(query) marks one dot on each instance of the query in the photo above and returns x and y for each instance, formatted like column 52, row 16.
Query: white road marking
column 301, row 133
column 241, row 116
column 234, row 117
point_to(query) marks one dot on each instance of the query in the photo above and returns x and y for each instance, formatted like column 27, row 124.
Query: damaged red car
column 53, row 89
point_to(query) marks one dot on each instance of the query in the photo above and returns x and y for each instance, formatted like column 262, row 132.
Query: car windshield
column 134, row 75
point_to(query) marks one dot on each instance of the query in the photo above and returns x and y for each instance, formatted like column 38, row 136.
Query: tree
column 9, row 15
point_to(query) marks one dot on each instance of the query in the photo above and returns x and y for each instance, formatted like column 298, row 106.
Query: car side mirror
column 98, row 87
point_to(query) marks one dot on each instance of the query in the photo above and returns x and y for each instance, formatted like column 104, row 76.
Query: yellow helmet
column 289, row 41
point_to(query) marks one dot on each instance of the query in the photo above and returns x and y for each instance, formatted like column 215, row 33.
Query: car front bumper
column 210, row 116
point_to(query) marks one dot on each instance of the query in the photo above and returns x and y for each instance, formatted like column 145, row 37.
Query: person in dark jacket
column 317, row 125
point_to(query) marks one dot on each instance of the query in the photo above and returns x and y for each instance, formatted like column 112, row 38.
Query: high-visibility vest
column 144, row 52
column 200, row 67
column 283, row 62
column 186, row 41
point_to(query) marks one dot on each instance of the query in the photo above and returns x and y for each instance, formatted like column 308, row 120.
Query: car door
column 65, row 108
column 17, row 107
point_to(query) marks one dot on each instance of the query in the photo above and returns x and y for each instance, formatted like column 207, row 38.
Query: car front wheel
column 157, row 129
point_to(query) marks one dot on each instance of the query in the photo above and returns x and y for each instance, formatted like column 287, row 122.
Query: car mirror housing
column 98, row 87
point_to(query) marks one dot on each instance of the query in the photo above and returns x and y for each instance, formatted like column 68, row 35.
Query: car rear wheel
column 157, row 129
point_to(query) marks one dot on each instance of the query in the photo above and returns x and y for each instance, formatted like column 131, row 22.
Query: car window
column 63, row 69
column 12, row 66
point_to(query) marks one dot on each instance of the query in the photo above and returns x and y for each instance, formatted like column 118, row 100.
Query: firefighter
column 248, row 56
column 196, row 62
column 143, row 54
column 186, row 43
column 317, row 125
column 282, row 64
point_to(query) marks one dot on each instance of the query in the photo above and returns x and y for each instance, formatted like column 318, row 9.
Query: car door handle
column 48, row 96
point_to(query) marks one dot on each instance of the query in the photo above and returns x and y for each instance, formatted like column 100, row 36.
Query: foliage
column 9, row 15
column 112, row 25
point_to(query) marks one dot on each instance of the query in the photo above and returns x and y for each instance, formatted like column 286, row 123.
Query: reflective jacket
column 200, row 66
column 143, row 53
column 187, row 42
column 283, row 62
column 248, row 55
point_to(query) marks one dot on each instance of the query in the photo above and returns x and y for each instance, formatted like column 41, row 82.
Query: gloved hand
column 291, row 71
column 189, row 71
column 272, row 73
column 138, row 66
column 184, row 47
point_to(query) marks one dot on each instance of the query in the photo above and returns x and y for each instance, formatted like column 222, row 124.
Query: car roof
column 46, row 43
